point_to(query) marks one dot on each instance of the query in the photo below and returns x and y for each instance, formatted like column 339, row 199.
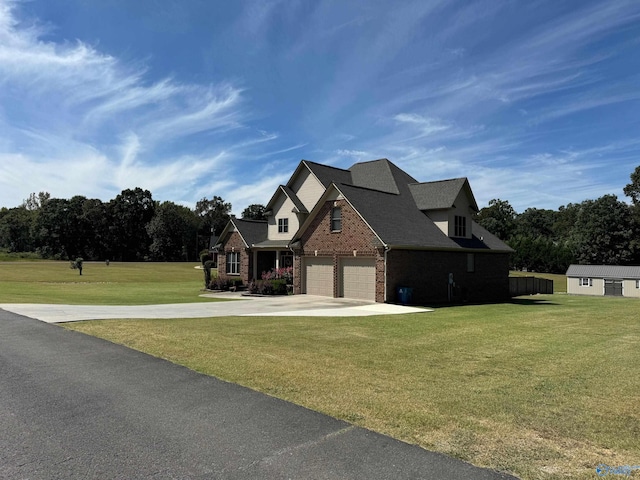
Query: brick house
column 367, row 231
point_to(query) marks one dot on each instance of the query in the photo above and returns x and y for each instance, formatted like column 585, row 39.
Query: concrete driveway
column 238, row 305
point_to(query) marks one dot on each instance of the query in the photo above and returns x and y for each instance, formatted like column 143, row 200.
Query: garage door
column 358, row 277
column 318, row 274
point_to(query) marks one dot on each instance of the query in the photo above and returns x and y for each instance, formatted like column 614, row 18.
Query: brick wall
column 427, row 272
column 234, row 243
column 319, row 240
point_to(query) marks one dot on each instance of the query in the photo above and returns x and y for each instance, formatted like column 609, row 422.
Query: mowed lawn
column 143, row 283
column 543, row 386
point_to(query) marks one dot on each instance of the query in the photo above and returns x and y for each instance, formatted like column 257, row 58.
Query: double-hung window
column 336, row 219
column 283, row 225
column 460, row 224
column 233, row 263
column 586, row 282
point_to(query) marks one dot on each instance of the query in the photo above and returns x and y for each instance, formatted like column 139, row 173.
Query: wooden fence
column 529, row 286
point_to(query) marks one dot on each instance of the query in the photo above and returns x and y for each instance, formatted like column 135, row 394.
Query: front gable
column 306, row 186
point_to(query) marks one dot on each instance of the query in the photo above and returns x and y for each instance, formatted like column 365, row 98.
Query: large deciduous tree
column 129, row 214
column 255, row 211
column 603, row 232
column 172, row 230
column 499, row 218
column 16, row 229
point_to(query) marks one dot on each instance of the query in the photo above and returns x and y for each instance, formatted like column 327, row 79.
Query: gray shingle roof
column 436, row 195
column 604, row 271
column 381, row 175
column 252, row 231
column 398, row 222
column 327, row 174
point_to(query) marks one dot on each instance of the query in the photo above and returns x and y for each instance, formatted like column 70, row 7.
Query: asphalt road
column 77, row 407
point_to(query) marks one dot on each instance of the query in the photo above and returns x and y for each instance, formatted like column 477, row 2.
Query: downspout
column 386, row 249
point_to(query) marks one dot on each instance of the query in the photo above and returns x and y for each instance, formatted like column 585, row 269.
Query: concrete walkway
column 281, row 306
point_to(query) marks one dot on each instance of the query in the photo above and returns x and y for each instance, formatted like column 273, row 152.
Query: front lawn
column 143, row 283
column 544, row 386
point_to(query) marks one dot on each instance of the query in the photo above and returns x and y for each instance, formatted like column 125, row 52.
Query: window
column 460, row 226
column 336, row 219
column 471, row 263
column 286, row 259
column 637, row 283
column 233, row 263
column 283, row 225
column 586, row 282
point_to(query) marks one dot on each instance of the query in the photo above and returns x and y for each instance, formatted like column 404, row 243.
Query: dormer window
column 336, row 219
column 283, row 225
column 460, row 225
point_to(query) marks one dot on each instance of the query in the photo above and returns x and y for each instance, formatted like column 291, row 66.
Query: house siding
column 427, row 273
column 283, row 208
column 307, row 188
column 234, row 243
column 629, row 289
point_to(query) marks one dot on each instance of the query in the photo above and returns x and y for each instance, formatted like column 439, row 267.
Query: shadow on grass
column 524, row 301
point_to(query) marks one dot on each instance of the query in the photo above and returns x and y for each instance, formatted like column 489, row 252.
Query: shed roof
column 604, row 271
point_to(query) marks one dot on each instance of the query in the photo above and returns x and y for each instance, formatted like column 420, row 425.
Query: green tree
column 52, row 229
column 36, row 201
column 171, row 230
column 16, row 227
column 603, row 232
column 255, row 211
column 213, row 214
column 129, row 214
column 499, row 218
column 535, row 222
column 633, row 189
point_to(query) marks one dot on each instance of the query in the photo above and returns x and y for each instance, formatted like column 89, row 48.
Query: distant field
column 559, row 281
column 545, row 387
column 143, row 283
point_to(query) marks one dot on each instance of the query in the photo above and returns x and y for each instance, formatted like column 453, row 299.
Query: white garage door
column 358, row 276
column 318, row 274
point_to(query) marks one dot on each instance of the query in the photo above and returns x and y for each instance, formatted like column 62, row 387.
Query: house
column 367, row 231
column 612, row 280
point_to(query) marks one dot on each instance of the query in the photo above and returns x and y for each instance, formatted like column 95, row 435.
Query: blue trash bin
column 404, row 295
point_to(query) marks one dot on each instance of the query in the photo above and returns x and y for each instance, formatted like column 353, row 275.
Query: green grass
column 117, row 284
column 559, row 281
column 544, row 387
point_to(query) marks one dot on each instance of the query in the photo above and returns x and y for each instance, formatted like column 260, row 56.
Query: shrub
column 205, row 255
column 207, row 272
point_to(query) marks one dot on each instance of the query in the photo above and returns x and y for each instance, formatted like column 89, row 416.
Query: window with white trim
column 460, row 224
column 233, row 263
column 283, row 225
column 336, row 219
column 586, row 282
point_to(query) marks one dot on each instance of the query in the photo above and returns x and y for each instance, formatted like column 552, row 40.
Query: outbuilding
column 609, row 280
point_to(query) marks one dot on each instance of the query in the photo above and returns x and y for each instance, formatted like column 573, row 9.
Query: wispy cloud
column 95, row 122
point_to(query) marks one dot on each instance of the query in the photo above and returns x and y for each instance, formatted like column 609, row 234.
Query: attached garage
column 318, row 276
column 358, row 278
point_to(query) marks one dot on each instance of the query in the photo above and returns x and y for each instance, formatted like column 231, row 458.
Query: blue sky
column 536, row 102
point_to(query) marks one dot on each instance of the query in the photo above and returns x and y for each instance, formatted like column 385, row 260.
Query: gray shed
column 614, row 280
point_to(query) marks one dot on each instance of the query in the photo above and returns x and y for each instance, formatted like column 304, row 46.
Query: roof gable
column 284, row 190
column 381, row 175
column 441, row 194
column 251, row 231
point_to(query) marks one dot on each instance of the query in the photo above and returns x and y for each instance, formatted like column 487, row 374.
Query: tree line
column 130, row 227
column 602, row 231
